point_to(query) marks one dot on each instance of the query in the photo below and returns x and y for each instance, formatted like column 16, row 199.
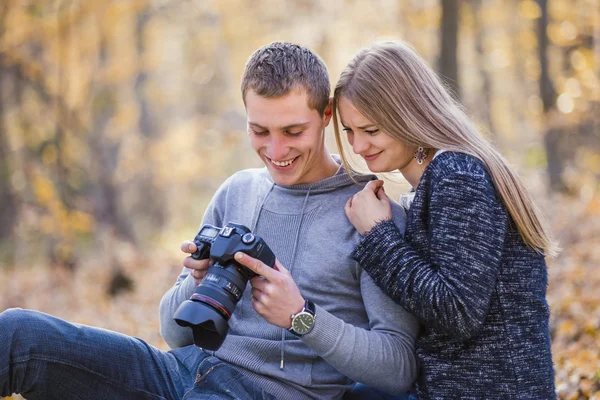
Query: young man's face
column 288, row 136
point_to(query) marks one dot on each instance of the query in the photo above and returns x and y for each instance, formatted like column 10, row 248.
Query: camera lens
column 209, row 308
column 212, row 304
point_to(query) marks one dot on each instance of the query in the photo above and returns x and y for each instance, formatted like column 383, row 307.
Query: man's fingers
column 261, row 297
column 198, row 274
column 257, row 266
column 258, row 283
column 191, row 263
column 188, row 247
column 279, row 267
column 258, row 306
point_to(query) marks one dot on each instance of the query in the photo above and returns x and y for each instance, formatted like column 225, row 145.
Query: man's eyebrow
column 257, row 125
column 283, row 128
column 296, row 125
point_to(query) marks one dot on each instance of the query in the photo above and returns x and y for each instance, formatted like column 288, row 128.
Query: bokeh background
column 120, row 118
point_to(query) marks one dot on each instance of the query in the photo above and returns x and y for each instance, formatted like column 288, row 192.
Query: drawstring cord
column 259, row 206
column 282, row 363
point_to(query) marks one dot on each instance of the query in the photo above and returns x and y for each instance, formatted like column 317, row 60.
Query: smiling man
column 309, row 328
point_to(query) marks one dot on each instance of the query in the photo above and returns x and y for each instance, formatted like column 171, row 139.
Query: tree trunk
column 553, row 132
column 448, row 62
column 154, row 210
column 8, row 204
column 485, row 108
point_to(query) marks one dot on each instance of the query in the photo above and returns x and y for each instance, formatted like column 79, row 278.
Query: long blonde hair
column 393, row 87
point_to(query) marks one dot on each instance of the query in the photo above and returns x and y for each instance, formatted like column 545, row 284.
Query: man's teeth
column 283, row 163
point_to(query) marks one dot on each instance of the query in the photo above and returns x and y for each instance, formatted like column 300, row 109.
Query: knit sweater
column 359, row 332
column 464, row 271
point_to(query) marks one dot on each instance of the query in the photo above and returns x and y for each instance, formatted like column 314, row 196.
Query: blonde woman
column 470, row 265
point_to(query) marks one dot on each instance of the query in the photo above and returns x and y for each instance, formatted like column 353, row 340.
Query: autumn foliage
column 119, row 119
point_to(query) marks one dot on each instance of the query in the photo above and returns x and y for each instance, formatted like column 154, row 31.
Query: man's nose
column 278, row 147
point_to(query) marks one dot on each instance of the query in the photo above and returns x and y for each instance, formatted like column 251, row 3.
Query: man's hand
column 275, row 295
column 198, row 267
column 368, row 207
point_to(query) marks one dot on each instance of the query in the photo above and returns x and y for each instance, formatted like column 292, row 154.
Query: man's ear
column 328, row 112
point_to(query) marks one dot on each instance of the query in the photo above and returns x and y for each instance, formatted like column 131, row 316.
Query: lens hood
column 208, row 326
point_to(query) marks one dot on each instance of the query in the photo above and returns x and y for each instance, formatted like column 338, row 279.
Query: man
column 296, row 204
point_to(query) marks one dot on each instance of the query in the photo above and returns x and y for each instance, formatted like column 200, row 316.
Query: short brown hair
column 276, row 69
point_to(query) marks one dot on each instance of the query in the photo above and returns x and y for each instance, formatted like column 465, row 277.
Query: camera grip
column 203, row 251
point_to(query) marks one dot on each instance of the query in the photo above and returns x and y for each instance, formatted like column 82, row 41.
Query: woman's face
column 382, row 152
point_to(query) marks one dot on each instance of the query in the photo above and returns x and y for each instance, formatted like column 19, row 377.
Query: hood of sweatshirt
column 339, row 179
column 304, row 190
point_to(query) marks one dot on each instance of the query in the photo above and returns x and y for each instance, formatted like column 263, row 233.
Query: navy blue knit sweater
column 479, row 292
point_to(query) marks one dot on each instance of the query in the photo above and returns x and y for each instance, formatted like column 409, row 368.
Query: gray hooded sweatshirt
column 359, row 333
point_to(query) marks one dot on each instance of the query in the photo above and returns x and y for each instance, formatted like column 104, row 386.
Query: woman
column 470, row 265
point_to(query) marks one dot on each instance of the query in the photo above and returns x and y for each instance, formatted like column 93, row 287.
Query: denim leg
column 363, row 392
column 43, row 357
column 215, row 379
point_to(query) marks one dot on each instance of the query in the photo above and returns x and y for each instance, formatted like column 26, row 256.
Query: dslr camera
column 209, row 308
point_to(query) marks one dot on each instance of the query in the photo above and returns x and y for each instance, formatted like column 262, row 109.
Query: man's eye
column 260, row 133
column 371, row 132
column 293, row 133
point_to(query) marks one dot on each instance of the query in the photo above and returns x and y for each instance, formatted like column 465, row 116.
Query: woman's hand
column 368, row 207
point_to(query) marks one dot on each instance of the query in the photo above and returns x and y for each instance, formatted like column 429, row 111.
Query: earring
column 421, row 154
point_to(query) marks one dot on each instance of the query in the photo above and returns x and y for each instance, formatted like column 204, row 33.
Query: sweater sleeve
column 174, row 335
column 450, row 291
column 381, row 356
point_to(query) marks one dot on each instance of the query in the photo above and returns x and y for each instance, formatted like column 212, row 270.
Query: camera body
column 221, row 244
column 212, row 303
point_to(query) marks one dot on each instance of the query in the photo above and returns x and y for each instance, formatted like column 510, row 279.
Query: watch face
column 303, row 323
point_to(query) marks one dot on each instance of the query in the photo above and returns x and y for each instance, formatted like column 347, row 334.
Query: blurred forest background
column 120, row 118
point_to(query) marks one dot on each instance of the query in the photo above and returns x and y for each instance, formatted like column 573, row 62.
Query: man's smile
column 282, row 164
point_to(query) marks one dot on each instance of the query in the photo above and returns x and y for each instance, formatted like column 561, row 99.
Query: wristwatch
column 304, row 321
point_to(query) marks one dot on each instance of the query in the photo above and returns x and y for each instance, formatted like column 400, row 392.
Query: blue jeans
column 43, row 357
column 363, row 392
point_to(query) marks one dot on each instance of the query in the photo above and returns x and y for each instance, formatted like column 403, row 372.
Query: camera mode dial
column 248, row 238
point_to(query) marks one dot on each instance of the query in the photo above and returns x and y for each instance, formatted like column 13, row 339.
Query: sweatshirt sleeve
column 452, row 290
column 174, row 335
column 382, row 356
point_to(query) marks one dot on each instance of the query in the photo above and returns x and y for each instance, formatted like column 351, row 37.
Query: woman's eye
column 371, row 132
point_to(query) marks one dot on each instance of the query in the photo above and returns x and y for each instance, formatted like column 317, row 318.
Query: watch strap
column 309, row 307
